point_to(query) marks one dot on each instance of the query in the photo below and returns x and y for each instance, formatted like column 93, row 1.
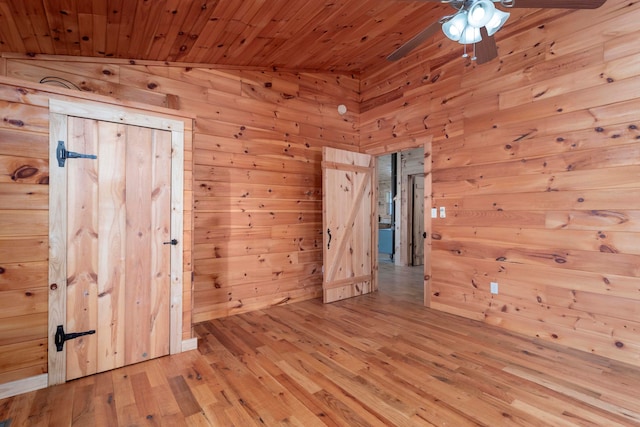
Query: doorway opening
column 400, row 214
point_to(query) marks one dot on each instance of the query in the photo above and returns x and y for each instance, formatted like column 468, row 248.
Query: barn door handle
column 329, row 233
column 171, row 242
column 424, row 235
column 61, row 337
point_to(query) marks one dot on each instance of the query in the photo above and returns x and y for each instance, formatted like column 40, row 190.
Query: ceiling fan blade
column 486, row 48
column 418, row 39
column 557, row 4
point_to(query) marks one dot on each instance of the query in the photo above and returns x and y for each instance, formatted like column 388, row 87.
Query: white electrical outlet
column 494, row 287
column 434, row 212
column 443, row 212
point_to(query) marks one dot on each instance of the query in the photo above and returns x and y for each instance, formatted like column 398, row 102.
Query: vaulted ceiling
column 345, row 35
column 323, row 35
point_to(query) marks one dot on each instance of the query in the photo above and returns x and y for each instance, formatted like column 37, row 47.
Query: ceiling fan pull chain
column 474, row 57
column 465, row 54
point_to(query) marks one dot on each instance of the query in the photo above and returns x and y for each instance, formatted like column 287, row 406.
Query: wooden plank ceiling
column 322, row 35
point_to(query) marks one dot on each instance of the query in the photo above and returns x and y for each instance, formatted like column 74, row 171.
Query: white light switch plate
column 434, row 212
column 443, row 212
column 494, row 287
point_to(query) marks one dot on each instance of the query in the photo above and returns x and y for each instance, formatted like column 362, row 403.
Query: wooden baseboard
column 190, row 344
column 26, row 385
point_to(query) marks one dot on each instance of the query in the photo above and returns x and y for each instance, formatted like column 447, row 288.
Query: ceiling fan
column 476, row 21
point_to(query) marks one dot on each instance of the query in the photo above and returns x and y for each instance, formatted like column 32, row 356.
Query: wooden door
column 417, row 220
column 118, row 271
column 113, row 267
column 350, row 238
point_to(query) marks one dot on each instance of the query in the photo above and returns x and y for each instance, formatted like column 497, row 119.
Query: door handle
column 172, row 242
column 61, row 336
column 329, row 243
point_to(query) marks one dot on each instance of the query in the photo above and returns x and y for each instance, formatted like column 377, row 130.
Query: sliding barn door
column 348, row 224
column 113, row 210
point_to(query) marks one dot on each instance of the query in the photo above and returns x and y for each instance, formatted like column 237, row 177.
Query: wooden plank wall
column 255, row 186
column 24, row 205
column 24, row 198
column 536, row 158
column 258, row 188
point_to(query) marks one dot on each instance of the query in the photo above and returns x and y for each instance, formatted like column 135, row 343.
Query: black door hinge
column 62, row 154
column 61, row 337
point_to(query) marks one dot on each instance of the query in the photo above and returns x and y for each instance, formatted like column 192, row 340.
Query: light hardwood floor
column 376, row 360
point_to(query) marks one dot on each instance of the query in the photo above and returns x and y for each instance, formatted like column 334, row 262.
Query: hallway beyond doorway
column 405, row 283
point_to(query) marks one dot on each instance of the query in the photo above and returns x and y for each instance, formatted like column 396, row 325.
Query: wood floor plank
column 16, row 412
column 184, row 396
column 377, row 360
column 145, row 400
column 84, row 405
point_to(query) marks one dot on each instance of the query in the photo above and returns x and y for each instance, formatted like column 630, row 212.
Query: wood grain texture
column 276, row 35
column 256, row 173
column 159, row 289
column 139, row 234
column 410, row 164
column 56, row 282
column 417, row 220
column 428, row 222
column 111, row 242
column 23, row 254
column 348, row 218
column 82, row 258
column 559, row 94
column 382, row 359
column 135, row 325
column 535, row 160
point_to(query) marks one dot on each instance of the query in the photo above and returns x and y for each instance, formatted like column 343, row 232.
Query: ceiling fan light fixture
column 470, row 35
column 497, row 21
column 480, row 13
column 455, row 26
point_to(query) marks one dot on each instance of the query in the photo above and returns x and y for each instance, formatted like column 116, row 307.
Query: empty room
column 319, row 213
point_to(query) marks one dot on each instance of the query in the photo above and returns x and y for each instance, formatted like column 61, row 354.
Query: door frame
column 58, row 112
column 428, row 201
column 428, row 225
column 411, row 219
